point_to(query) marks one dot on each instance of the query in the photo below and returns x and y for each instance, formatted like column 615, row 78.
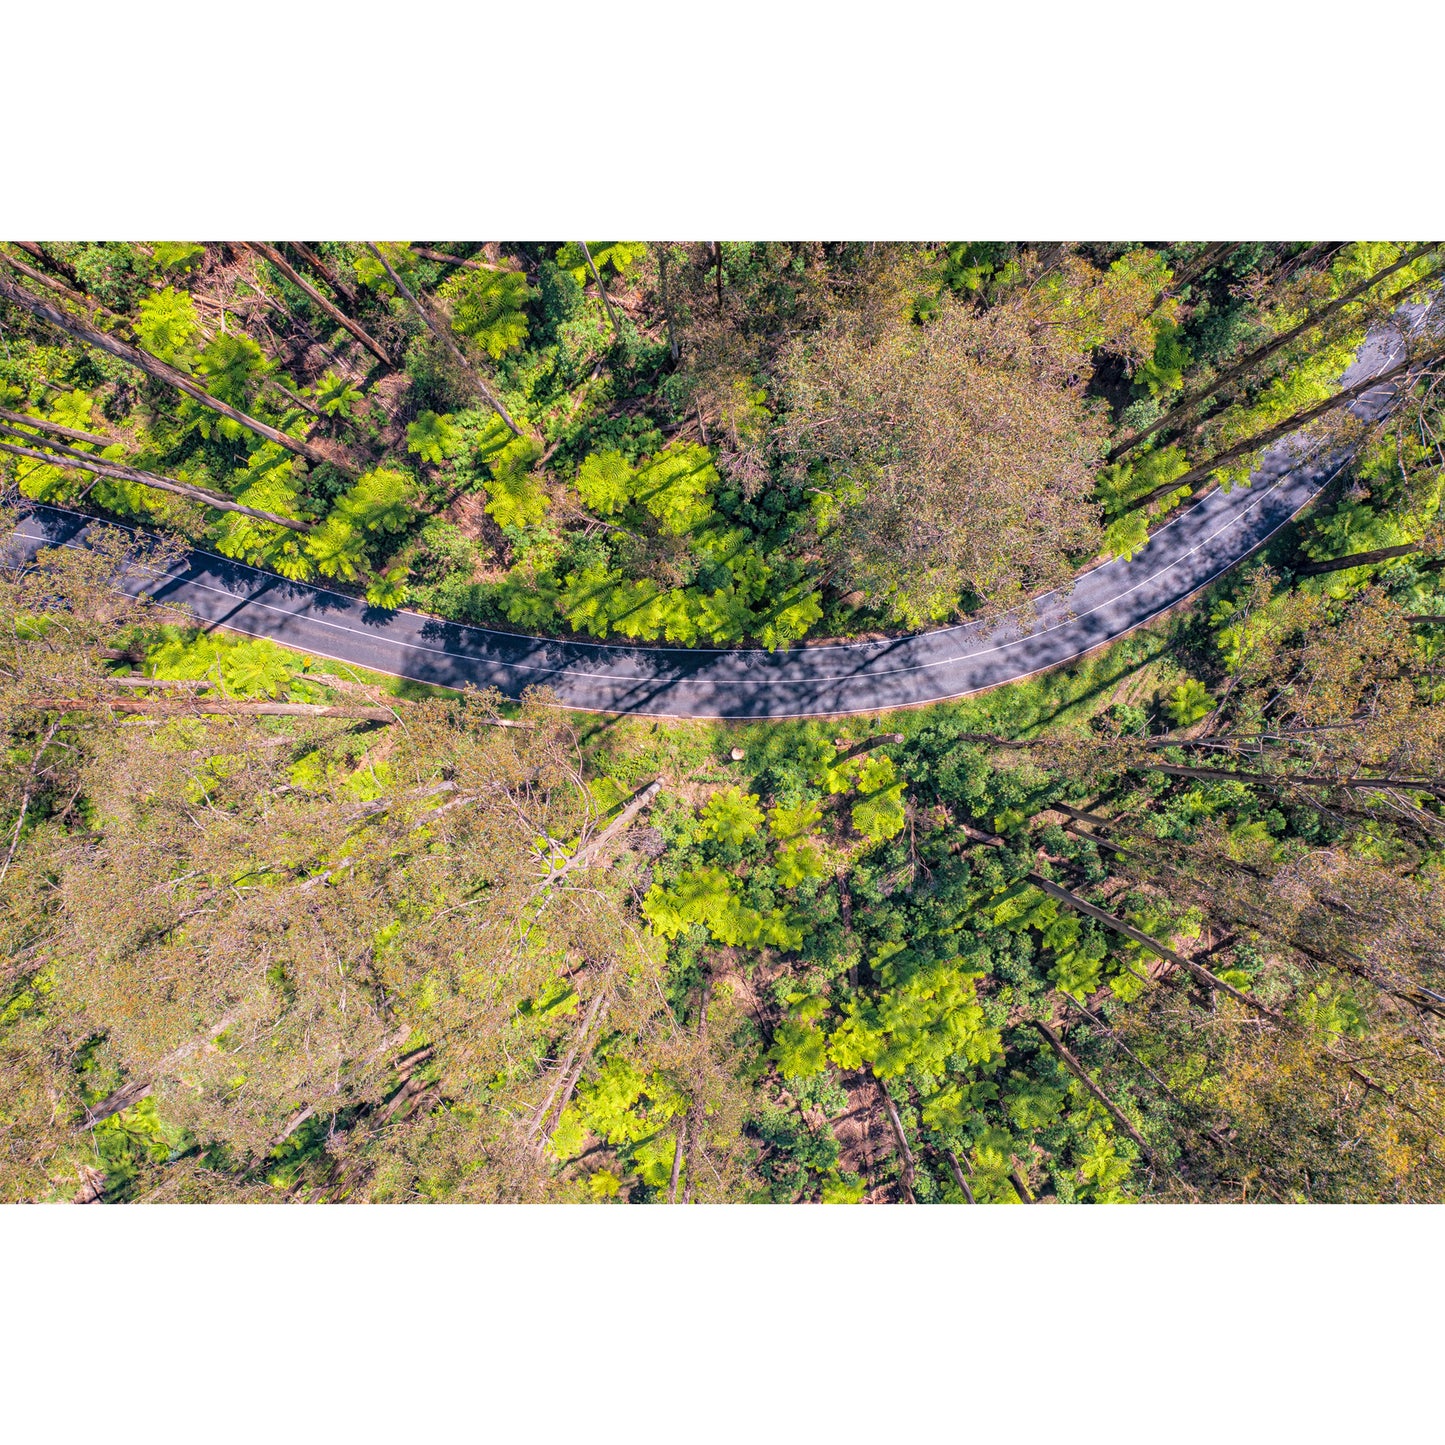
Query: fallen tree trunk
column 342, row 288
column 458, row 260
column 55, row 429
column 896, row 1124
column 138, row 1089
column 544, row 1110
column 584, row 856
column 958, row 1175
column 79, row 298
column 867, row 745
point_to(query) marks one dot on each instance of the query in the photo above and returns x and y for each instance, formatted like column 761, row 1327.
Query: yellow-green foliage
column 927, row 1014
column 731, row 816
column 490, row 308
column 881, row 813
column 166, row 322
column 434, row 438
column 704, row 895
column 515, row 496
column 620, row 256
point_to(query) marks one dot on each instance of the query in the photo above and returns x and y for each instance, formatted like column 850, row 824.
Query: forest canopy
column 1162, row 924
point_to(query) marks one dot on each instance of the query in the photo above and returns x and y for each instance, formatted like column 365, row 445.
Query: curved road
column 1194, row 547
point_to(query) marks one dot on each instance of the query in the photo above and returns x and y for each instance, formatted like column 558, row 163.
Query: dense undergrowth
column 1160, row 925
column 669, row 442
column 395, row 950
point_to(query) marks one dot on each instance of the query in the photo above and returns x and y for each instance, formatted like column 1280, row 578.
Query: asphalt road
column 1197, row 545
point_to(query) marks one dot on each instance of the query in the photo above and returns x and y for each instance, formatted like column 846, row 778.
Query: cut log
column 867, row 745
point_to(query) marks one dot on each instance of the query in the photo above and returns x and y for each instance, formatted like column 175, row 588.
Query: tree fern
column 336, row 396
column 390, row 589
column 881, row 814
column 515, row 498
column 674, row 486
column 799, row 1050
column 234, row 368
column 490, row 308
column 620, row 256
column 797, row 821
column 799, row 861
column 381, row 500
column 605, row 482
column 165, row 324
column 434, row 438
column 731, row 816
column 176, row 255
column 371, row 273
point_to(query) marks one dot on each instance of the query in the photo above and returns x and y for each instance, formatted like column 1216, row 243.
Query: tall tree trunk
column 1081, row 1074
column 444, row 337
column 1355, row 559
column 1192, row 270
column 153, row 367
column 138, row 1088
column 1213, row 1135
column 61, row 455
column 76, row 297
column 958, row 1175
column 1281, row 429
column 666, row 306
column 717, row 261
column 271, row 254
column 905, row 1154
column 602, row 290
column 1196, row 971
column 342, row 288
column 1304, row 780
column 1262, row 353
